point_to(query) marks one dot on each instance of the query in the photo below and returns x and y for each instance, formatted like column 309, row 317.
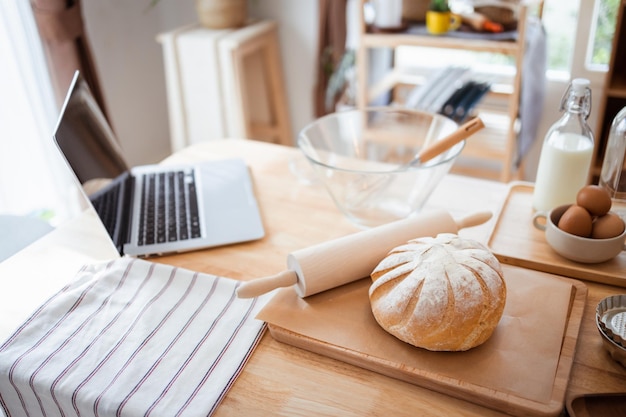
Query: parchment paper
column 520, row 358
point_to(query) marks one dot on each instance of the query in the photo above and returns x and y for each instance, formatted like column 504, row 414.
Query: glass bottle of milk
column 567, row 151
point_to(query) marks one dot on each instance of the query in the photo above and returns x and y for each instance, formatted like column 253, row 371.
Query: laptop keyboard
column 169, row 208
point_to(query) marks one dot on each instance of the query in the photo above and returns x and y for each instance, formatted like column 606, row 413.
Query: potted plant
column 441, row 6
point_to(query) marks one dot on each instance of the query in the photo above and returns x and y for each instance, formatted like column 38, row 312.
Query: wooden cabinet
column 492, row 150
column 225, row 83
column 613, row 97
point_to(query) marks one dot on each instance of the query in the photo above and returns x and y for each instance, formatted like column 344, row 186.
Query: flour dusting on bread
column 443, row 293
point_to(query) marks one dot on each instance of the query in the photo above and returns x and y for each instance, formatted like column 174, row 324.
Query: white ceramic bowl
column 359, row 156
column 576, row 248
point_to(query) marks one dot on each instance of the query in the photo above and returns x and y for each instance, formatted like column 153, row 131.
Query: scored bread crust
column 443, row 294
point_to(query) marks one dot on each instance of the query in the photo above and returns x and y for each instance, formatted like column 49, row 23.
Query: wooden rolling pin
column 349, row 258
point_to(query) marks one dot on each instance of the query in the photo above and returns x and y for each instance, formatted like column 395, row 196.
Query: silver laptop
column 154, row 209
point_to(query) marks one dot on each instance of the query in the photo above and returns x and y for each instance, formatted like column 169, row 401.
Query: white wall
column 130, row 63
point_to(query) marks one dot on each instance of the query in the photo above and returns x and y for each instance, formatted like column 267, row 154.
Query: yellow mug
column 439, row 23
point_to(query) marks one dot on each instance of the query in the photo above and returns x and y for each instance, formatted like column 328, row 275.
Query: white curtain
column 28, row 112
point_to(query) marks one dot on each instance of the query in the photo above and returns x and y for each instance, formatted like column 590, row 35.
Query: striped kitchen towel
column 130, row 338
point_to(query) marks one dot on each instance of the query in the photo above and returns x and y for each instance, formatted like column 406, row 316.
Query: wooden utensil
column 349, row 258
column 438, row 147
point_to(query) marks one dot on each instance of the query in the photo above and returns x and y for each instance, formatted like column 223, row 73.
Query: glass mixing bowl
column 361, row 157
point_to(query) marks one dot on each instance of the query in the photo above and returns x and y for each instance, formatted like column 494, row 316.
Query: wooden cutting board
column 523, row 368
column 514, row 240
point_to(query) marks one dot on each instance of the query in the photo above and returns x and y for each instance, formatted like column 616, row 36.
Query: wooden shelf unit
column 496, row 144
column 613, row 97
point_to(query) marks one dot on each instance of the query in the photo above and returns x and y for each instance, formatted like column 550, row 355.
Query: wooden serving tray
column 515, row 241
column 522, row 369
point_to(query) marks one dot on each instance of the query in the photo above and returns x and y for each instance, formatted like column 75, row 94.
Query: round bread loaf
column 443, row 294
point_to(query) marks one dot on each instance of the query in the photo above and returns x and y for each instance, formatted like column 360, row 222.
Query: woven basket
column 221, row 14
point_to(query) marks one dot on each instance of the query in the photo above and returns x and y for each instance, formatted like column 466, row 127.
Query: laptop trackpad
column 231, row 210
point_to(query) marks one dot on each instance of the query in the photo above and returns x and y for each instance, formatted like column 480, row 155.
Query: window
column 559, row 19
column 29, row 172
column 593, row 39
column 601, row 39
column 590, row 46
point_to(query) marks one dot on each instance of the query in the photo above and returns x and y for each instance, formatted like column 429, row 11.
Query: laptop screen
column 85, row 137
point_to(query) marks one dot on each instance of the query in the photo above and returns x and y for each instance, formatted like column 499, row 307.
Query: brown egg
column 595, row 199
column 576, row 220
column 607, row 226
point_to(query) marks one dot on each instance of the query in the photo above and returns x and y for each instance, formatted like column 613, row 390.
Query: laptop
column 154, row 209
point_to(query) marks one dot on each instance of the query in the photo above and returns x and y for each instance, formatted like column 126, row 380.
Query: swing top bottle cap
column 580, row 85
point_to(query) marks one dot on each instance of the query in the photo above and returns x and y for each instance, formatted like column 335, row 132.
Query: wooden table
column 284, row 380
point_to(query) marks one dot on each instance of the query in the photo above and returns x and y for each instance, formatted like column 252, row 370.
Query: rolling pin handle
column 254, row 288
column 473, row 219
